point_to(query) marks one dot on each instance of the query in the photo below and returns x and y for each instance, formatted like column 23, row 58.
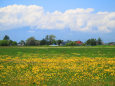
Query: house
column 112, row 43
column 79, row 42
column 53, row 45
column 20, row 44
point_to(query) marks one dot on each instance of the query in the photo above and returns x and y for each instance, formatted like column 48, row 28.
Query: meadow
column 57, row 66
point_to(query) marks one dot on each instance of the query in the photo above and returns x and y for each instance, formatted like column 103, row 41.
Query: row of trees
column 7, row 42
column 89, row 42
column 48, row 40
column 94, row 42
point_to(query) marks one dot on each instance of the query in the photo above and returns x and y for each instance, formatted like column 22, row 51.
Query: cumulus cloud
column 17, row 16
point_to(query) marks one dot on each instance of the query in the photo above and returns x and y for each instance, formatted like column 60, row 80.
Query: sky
column 66, row 19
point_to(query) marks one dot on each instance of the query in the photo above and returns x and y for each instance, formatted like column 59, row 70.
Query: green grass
column 57, row 51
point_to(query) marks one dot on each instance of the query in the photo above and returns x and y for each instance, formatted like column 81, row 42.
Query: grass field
column 57, row 66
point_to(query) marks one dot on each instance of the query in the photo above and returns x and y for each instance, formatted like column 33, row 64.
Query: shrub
column 14, row 43
column 71, row 43
column 4, row 42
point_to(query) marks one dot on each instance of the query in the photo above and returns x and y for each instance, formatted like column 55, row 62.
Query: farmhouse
column 79, row 42
column 53, row 45
column 112, row 43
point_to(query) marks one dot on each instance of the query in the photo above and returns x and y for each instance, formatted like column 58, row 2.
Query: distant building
column 20, row 44
column 53, row 45
column 79, row 42
column 112, row 43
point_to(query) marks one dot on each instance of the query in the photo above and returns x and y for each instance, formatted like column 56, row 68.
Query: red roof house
column 79, row 42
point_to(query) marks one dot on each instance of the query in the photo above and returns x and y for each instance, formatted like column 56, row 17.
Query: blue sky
column 86, row 19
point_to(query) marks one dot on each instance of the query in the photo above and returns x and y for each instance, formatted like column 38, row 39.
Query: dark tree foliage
column 91, row 42
column 59, row 42
column 22, row 42
column 47, row 38
column 4, row 43
column 6, row 37
column 31, row 41
column 37, row 42
column 10, row 42
column 14, row 43
column 50, row 39
column 71, row 43
column 43, row 42
column 99, row 41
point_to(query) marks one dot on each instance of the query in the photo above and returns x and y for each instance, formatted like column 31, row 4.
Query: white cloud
column 31, row 31
column 16, row 16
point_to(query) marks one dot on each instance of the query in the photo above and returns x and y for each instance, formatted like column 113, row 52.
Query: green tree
column 59, row 42
column 46, row 40
column 83, row 44
column 52, row 39
column 4, row 43
column 14, row 43
column 43, row 42
column 6, row 37
column 71, row 43
column 99, row 41
column 10, row 42
column 91, row 42
column 31, row 41
column 22, row 42
column 37, row 42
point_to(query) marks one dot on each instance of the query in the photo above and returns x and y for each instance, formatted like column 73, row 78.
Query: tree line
column 7, row 42
column 48, row 40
